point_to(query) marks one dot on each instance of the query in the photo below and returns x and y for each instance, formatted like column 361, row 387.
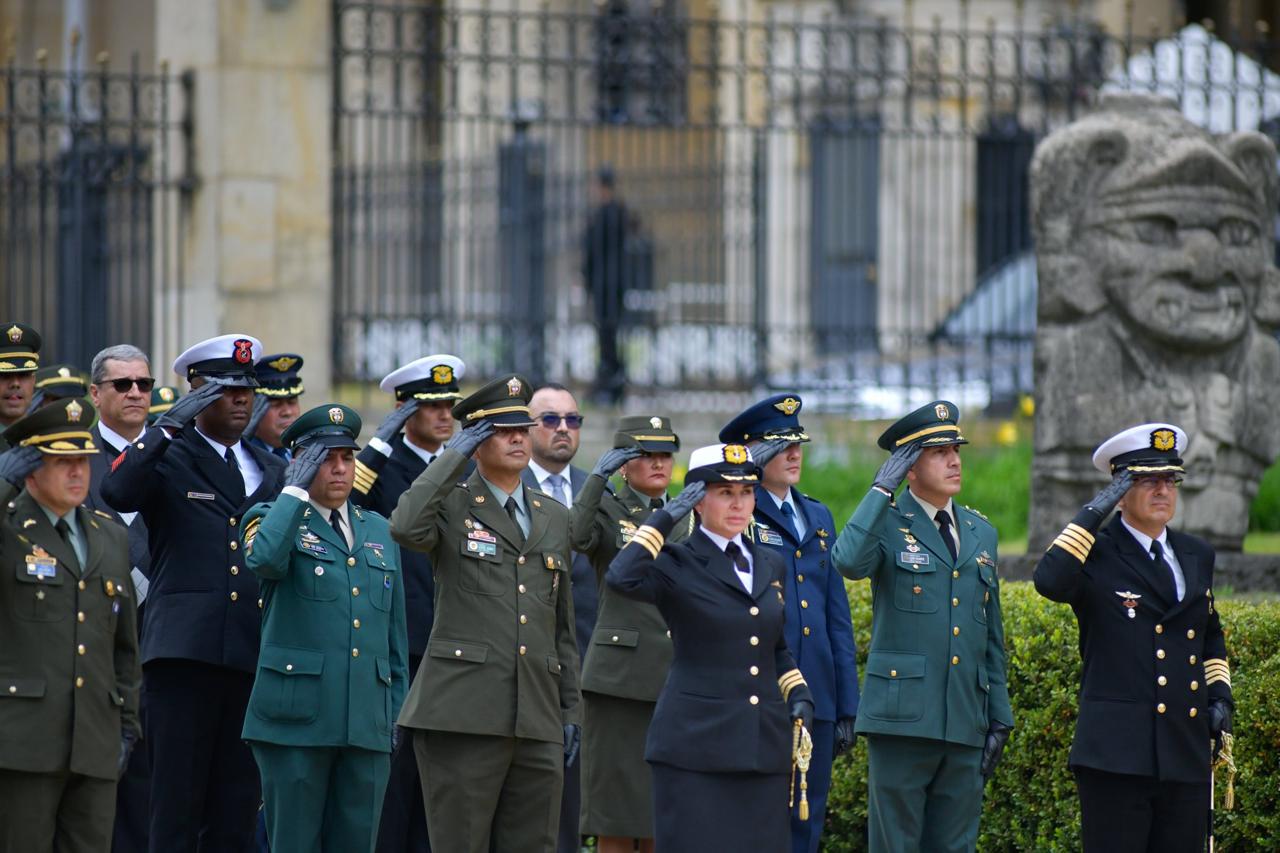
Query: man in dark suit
column 68, row 647
column 404, row 444
column 192, row 479
column 120, row 386
column 1155, row 695
column 554, row 439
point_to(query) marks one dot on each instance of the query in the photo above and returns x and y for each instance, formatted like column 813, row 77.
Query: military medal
column 1130, row 600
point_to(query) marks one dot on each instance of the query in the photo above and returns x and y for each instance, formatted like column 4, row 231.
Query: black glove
column 303, row 467
column 572, row 742
column 397, row 737
column 614, row 459
column 1105, row 501
column 18, row 462
column 185, row 410
column 683, row 503
column 467, row 439
column 395, row 421
column 127, row 741
column 261, row 402
column 895, row 468
column 993, row 749
column 1219, row 722
column 802, row 709
column 844, row 735
column 762, row 452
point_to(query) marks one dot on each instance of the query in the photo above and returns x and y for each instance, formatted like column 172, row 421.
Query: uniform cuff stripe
column 1080, row 532
column 1071, row 548
column 1085, row 544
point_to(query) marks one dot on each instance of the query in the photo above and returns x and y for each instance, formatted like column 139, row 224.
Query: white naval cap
column 230, row 358
column 722, row 463
column 432, row 377
column 1145, row 449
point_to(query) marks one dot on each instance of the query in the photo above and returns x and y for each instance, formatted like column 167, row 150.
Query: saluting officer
column 69, row 672
column 192, row 478
column 406, row 441
column 19, row 360
column 720, row 744
column 494, row 707
column 1155, row 685
column 630, row 651
column 275, row 402
column 935, row 702
column 333, row 671
column 58, row 382
column 819, row 629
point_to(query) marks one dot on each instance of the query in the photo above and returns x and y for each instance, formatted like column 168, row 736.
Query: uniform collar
column 1144, row 540
column 933, row 511
column 421, row 452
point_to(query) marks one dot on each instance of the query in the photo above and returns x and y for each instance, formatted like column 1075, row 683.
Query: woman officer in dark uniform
column 720, row 742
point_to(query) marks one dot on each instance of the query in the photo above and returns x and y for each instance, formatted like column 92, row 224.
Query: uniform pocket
column 40, row 598
column 914, row 587
column 554, row 574
column 446, row 649
column 287, row 689
column 987, row 574
column 316, row 577
column 483, row 575
column 383, row 578
column 384, row 684
column 618, row 637
column 894, row 687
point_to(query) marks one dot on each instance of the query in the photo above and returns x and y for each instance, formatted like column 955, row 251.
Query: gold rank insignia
column 735, row 454
column 74, row 411
column 549, row 561
column 778, row 584
column 1163, row 439
column 513, row 387
column 282, row 363
column 110, row 588
column 537, row 503
column 942, row 411
column 15, row 334
column 30, row 522
column 788, row 406
column 479, row 499
column 822, row 532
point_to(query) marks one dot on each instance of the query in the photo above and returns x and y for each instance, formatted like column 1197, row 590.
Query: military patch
column 1130, row 601
column 441, row 374
column 1163, row 439
column 911, row 559
column 777, row 584
column 41, row 567
column 766, row 536
column 386, row 581
column 30, row 522
column 478, row 548
column 377, row 546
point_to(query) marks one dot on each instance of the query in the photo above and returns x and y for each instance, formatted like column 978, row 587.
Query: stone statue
column 1158, row 301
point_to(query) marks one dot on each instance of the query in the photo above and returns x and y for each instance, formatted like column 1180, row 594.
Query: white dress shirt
column 933, row 516
column 249, row 469
column 541, row 474
column 796, row 518
column 1171, row 559
column 745, row 577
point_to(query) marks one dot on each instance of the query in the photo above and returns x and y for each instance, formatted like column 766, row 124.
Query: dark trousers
column 65, row 812
column 1137, row 813
column 805, row 834
column 133, row 800
column 570, row 837
column 403, row 828
column 204, row 783
column 922, row 794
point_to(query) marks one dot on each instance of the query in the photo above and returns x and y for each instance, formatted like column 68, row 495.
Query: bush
column 1031, row 803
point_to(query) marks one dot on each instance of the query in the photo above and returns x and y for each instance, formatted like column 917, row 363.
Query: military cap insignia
column 442, row 374
column 655, row 422
column 513, row 387
column 64, row 373
column 735, row 454
column 336, row 415
column 15, row 334
column 166, row 394
column 1163, row 439
column 788, row 406
column 282, row 363
column 74, row 411
column 942, row 411
column 242, row 350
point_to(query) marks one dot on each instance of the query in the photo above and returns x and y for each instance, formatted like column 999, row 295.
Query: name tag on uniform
column 41, row 567
column 914, row 559
column 768, row 537
column 310, row 542
column 377, row 546
column 201, row 496
column 481, row 548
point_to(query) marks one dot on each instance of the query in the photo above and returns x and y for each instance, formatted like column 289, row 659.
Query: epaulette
column 975, row 512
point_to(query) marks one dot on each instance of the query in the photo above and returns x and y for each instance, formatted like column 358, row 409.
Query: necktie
column 944, row 528
column 515, row 518
column 232, row 464
column 335, row 521
column 734, row 553
column 555, row 486
column 655, row 503
column 789, row 518
column 1165, row 571
column 64, row 530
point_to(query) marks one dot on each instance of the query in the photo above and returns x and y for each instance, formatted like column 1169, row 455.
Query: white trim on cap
column 219, row 347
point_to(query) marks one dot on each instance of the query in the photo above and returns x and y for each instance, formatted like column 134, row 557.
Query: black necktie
column 734, row 553
column 515, row 519
column 64, row 530
column 1164, row 570
column 234, row 466
column 944, row 529
column 789, row 518
column 335, row 521
column 655, row 503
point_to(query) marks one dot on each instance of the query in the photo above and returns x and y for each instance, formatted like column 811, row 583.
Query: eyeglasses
column 1153, row 481
column 551, row 420
column 124, row 383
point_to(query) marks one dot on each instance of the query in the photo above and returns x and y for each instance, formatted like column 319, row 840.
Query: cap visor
column 656, row 446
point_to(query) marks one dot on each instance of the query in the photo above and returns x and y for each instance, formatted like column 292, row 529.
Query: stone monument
column 1158, row 301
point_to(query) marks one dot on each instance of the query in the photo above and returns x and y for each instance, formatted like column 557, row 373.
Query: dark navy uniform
column 1152, row 666
column 200, row 634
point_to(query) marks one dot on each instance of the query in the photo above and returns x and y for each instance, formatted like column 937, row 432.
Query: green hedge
column 1031, row 802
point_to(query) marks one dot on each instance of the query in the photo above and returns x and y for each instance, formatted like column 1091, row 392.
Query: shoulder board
column 103, row 514
column 975, row 512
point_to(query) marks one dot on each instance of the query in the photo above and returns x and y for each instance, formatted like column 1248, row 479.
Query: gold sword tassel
column 801, row 754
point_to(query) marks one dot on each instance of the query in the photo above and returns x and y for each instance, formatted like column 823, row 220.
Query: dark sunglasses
column 123, row 384
column 550, row 420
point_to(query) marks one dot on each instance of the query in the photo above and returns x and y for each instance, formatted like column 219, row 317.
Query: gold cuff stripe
column 929, row 431
column 645, row 544
column 788, row 681
column 1071, row 548
column 500, row 410
column 365, row 476
column 649, row 530
column 1081, row 532
column 649, row 537
column 1083, row 544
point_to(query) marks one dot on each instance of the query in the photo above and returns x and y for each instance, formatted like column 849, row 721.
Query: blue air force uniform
column 278, row 379
column 818, row 626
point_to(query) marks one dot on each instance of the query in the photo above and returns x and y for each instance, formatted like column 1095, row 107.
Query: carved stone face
column 1185, row 272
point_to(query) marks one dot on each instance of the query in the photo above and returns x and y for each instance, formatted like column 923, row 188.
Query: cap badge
column 281, row 364
column 442, row 374
column 243, row 352
column 1163, row 439
column 15, row 334
column 64, row 373
column 788, row 406
column 942, row 411
column 735, row 454
column 656, row 423
column 74, row 411
column 166, row 394
column 513, row 387
column 336, row 415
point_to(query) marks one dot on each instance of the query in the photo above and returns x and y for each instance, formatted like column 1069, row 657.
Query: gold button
column 955, row 602
column 232, row 521
column 80, row 649
column 521, row 588
column 234, row 596
column 806, row 630
column 351, row 561
column 1195, row 685
column 754, row 700
column 1191, row 633
column 755, row 641
column 141, row 446
column 355, row 623
column 79, row 682
column 524, row 650
column 80, row 616
column 1193, row 712
column 82, row 585
column 955, row 574
column 1160, row 708
column 355, row 590
column 755, row 670
column 1192, row 660
column 235, row 570
column 1160, row 654
column 234, row 544
column 955, row 659
column 893, row 673
column 1159, row 629
column 457, row 653
column 355, row 653
column 754, row 611
column 520, row 559
column 13, row 688
column 1162, row 681
column 955, row 632
column 799, row 553
column 523, row 619
column 288, row 667
column 800, row 578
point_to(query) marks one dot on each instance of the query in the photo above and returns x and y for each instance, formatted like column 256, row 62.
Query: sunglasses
column 550, row 420
column 124, row 383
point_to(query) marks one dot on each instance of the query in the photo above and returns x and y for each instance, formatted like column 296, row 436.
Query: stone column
column 256, row 238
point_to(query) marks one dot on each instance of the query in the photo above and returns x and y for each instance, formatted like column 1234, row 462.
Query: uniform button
column 955, row 659
column 1195, row 685
column 668, row 633
column 1162, row 681
column 1192, row 660
column 806, row 630
column 804, row 604
column 13, row 688
column 457, row 653
column 955, row 632
column 1160, row 708
column 755, row 641
column 82, row 585
column 799, row 553
column 232, row 521
column 80, row 649
column 288, row 667
column 754, row 700
column 754, row 611
column 520, row 560
column 355, row 623
column 234, row 596
column 259, row 603
column 234, row 544
column 523, row 619
column 1192, row 712
column 79, row 682
column 141, row 446
column 614, row 638
column 893, row 673
column 1159, row 629
column 355, row 653
column 799, row 578
column 80, row 616
column 1191, row 633
column 524, row 650
column 355, row 590
column 755, row 670
column 1160, row 654
column 521, row 588
column 351, row 561
column 235, row 570
column 955, row 573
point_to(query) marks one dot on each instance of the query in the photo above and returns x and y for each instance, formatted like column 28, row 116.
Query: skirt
column 617, row 789
column 695, row 812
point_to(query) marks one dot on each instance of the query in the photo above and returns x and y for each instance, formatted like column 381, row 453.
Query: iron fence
column 94, row 166
column 813, row 200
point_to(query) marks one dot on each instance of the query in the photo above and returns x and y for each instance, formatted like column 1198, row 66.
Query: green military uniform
column 19, row 354
column 69, row 671
column 162, row 399
column 935, row 674
column 333, row 667
column 499, row 681
column 630, row 652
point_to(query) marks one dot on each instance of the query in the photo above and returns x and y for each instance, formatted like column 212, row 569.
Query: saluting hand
column 185, row 410
column 612, row 460
column 17, row 463
column 395, row 421
column 763, row 452
column 261, row 402
column 304, row 466
column 1105, row 501
column 467, row 439
column 683, row 503
column 895, row 468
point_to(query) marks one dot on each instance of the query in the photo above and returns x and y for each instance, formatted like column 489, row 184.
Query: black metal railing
column 813, row 200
